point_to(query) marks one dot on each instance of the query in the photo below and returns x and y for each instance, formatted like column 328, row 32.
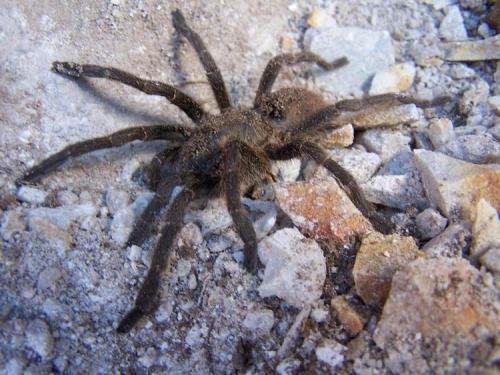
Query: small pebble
column 430, row 223
column 31, row 195
column 39, row 338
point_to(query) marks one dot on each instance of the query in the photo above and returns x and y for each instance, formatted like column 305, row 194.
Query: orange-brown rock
column 321, row 210
column 378, row 259
column 442, row 298
column 352, row 322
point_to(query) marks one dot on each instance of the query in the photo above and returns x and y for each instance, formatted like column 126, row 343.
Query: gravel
column 66, row 277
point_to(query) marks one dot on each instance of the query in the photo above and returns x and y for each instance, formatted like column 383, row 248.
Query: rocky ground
column 331, row 295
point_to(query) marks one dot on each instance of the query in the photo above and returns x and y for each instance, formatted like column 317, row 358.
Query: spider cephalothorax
column 226, row 154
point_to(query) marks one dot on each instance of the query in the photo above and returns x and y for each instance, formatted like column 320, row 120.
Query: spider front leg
column 212, row 71
column 346, row 181
column 146, row 301
column 153, row 171
column 143, row 225
column 231, row 180
column 174, row 95
column 274, row 66
column 119, row 138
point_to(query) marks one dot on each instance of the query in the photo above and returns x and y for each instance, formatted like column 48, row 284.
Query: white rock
column 190, row 235
column 455, row 186
column 116, row 200
column 439, row 4
column 362, row 165
column 134, row 253
column 494, row 102
column 31, row 195
column 474, row 148
column 368, row 51
column 63, row 216
column 287, row 170
column 295, row 267
column 430, row 223
column 440, row 131
column 259, row 322
column 12, row 223
column 485, row 229
column 386, row 143
column 452, row 26
column 461, row 71
column 39, row 338
column 450, row 243
column 141, row 202
column 121, row 225
column 395, row 191
column 264, row 223
column 330, row 352
column 397, row 78
column 214, row 218
column 319, row 315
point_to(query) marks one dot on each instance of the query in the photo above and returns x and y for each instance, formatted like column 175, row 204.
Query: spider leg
column 119, row 138
column 274, row 66
column 232, row 191
column 154, row 170
column 174, row 95
column 145, row 302
column 345, row 180
column 213, row 73
column 389, row 100
column 143, row 225
column 326, row 114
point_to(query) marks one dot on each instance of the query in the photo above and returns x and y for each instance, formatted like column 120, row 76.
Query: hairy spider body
column 226, row 154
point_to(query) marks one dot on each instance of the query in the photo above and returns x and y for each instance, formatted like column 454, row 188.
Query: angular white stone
column 295, row 267
column 386, row 143
column 259, row 322
column 485, row 229
column 430, row 223
column 361, row 164
column 395, row 79
column 452, row 26
column 368, row 51
column 395, row 191
column 31, row 195
column 455, row 186
column 440, row 131
column 330, row 352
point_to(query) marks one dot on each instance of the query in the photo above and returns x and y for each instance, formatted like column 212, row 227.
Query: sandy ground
column 62, row 294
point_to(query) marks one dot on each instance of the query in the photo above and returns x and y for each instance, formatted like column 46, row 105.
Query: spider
column 226, row 154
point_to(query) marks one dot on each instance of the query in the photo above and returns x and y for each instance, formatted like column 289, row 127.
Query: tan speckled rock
column 378, row 259
column 486, row 236
column 321, row 210
column 438, row 309
column 347, row 316
column 455, row 186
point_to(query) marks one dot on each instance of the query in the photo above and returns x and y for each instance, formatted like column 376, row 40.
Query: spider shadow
column 135, row 115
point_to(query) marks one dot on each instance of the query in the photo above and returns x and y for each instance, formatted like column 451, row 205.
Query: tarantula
column 225, row 155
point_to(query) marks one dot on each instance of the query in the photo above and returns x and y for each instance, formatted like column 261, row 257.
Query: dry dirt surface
column 67, row 277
